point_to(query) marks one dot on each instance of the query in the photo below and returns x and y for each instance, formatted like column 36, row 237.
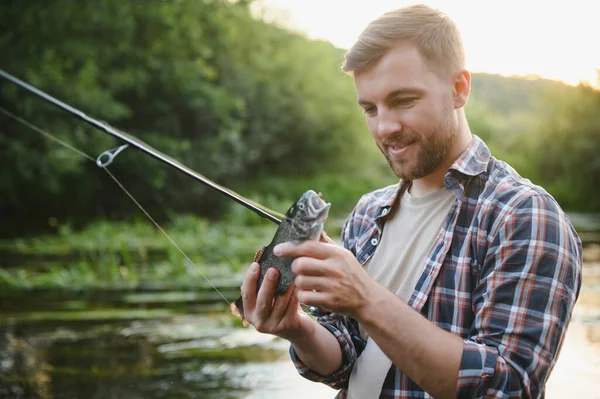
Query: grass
column 131, row 253
column 128, row 254
column 191, row 234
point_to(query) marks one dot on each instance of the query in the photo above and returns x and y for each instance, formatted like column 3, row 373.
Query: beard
column 432, row 151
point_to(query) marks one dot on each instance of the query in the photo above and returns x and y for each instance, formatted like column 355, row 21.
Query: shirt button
column 385, row 211
column 374, row 241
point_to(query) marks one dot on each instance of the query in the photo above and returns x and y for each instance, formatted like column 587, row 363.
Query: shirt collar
column 474, row 159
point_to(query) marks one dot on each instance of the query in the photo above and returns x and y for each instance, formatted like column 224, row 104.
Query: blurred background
column 95, row 302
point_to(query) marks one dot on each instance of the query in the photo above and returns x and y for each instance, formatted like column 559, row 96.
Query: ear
column 462, row 88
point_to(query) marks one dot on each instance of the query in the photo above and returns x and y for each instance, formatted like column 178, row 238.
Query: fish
column 303, row 221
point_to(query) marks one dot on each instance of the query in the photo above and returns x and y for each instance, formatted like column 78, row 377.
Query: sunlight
column 555, row 41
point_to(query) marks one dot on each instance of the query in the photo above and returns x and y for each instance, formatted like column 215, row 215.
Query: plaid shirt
column 504, row 274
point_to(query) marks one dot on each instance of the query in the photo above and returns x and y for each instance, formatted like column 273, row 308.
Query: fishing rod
column 108, row 156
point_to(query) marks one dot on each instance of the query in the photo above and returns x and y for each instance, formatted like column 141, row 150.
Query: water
column 143, row 344
column 172, row 343
column 577, row 373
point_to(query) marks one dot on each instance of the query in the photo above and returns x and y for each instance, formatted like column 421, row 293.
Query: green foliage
column 507, row 95
column 249, row 104
column 566, row 148
column 203, row 81
column 134, row 253
column 548, row 131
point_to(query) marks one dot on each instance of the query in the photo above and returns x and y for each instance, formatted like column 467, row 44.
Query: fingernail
column 272, row 274
column 278, row 249
column 254, row 268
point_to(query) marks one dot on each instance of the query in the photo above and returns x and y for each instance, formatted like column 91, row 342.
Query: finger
column 310, row 248
column 309, row 283
column 281, row 304
column 293, row 303
column 264, row 299
column 312, row 298
column 249, row 287
column 310, row 267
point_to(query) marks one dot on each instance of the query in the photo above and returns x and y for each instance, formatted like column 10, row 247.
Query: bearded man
column 461, row 278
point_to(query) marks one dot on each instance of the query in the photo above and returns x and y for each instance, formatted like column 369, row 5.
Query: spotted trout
column 303, row 221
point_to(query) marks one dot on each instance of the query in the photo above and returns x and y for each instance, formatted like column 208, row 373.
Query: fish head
column 307, row 215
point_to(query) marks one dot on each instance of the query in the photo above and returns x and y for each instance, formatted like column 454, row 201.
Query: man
column 462, row 278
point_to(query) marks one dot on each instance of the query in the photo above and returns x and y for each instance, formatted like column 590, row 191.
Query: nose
column 387, row 123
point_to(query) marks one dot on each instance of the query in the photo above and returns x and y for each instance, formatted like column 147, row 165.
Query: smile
column 397, row 151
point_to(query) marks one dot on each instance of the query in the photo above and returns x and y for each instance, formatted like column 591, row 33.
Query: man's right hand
column 276, row 315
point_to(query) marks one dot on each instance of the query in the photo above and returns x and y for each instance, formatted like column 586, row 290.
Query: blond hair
column 433, row 33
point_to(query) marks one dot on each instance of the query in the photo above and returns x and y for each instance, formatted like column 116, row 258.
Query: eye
column 370, row 111
column 405, row 101
column 301, row 207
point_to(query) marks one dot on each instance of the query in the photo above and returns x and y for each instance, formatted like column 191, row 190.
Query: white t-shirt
column 397, row 264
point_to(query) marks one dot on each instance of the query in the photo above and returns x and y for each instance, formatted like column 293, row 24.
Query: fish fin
column 234, row 310
column 237, row 310
column 326, row 239
column 259, row 254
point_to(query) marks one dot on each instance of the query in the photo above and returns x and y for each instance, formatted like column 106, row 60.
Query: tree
column 229, row 95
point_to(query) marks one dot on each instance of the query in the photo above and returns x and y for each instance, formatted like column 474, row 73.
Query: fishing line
column 45, row 134
column 83, row 154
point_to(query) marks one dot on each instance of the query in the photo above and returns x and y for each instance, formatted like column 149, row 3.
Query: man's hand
column 280, row 316
column 413, row 343
column 283, row 317
column 329, row 276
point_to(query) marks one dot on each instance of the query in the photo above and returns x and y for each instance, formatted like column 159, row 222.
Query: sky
column 553, row 39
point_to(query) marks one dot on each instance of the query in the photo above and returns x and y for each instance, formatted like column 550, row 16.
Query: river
column 162, row 342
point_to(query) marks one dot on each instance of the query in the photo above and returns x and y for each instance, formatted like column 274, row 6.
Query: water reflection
column 183, row 344
column 577, row 373
column 142, row 345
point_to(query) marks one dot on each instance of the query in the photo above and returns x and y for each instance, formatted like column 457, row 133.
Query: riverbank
column 132, row 254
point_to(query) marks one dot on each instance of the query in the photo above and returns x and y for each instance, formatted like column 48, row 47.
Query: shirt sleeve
column 337, row 325
column 528, row 285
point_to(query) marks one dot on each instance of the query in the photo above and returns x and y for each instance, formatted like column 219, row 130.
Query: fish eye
column 301, row 206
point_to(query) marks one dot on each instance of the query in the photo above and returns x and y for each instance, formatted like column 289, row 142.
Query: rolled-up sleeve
column 528, row 285
column 338, row 380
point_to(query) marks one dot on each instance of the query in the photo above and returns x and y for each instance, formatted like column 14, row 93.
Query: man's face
column 409, row 110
